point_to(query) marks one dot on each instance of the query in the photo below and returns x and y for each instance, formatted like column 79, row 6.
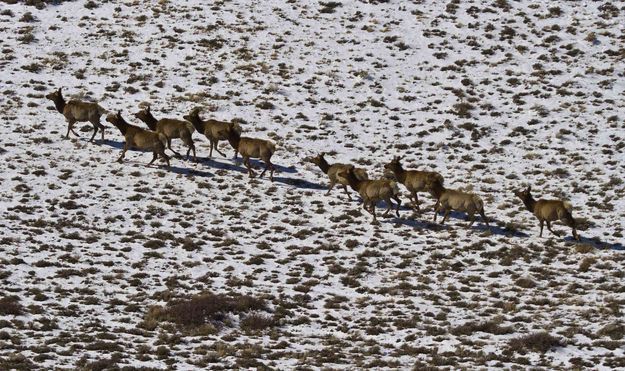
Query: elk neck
column 529, row 203
column 323, row 165
column 59, row 103
column 150, row 121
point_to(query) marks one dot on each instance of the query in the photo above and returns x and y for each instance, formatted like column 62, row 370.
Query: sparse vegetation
column 109, row 266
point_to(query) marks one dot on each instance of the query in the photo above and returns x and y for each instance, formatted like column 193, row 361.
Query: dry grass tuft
column 537, row 342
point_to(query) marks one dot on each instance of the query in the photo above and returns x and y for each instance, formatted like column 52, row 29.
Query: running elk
column 451, row 199
column 171, row 128
column 334, row 172
column 548, row 211
column 372, row 191
column 414, row 180
column 136, row 137
column 251, row 148
column 213, row 130
column 78, row 111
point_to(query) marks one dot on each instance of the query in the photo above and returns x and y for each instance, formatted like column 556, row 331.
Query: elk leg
column 190, row 146
column 97, row 125
column 95, row 131
column 154, row 157
column 210, row 152
column 542, row 222
column 389, row 206
column 70, row 124
column 164, row 156
column 330, row 187
column 246, row 162
column 265, row 169
column 445, row 216
column 436, row 211
column 398, row 205
column 121, row 158
column 346, row 192
column 375, row 220
column 416, row 202
column 271, row 169
column 171, row 149
column 101, row 130
column 551, row 230
column 268, row 166
column 217, row 149
column 471, row 219
column 569, row 221
column 484, row 218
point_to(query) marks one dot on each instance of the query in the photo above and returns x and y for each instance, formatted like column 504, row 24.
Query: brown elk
column 414, row 180
column 251, row 148
column 78, row 111
column 451, row 199
column 548, row 211
column 334, row 172
column 171, row 128
column 139, row 138
column 213, row 130
column 372, row 191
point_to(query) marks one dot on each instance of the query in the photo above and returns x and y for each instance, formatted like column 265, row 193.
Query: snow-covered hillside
column 107, row 265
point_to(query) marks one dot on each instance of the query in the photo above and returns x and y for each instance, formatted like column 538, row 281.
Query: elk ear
column 147, row 108
column 529, row 188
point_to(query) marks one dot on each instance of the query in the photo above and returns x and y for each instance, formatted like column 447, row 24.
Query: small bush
column 10, row 305
column 536, row 342
column 204, row 309
column 463, row 109
column 526, row 283
column 328, row 7
column 256, row 322
column 91, row 4
column 27, row 17
column 491, row 327
column 615, row 331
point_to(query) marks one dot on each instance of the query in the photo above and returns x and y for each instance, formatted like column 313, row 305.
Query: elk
column 414, row 180
column 372, row 191
column 78, row 111
column 451, row 199
column 333, row 171
column 251, row 148
column 548, row 211
column 213, row 130
column 171, row 128
column 139, row 138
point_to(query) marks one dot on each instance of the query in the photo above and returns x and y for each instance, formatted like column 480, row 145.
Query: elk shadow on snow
column 419, row 223
column 495, row 229
column 174, row 169
column 236, row 165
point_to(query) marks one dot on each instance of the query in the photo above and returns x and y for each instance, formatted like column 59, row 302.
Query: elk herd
column 160, row 132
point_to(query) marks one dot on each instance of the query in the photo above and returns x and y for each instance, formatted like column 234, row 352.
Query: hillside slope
column 494, row 95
